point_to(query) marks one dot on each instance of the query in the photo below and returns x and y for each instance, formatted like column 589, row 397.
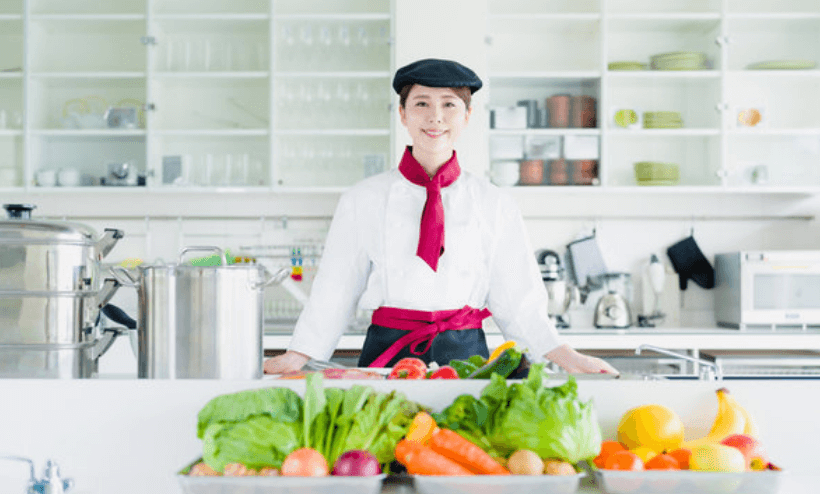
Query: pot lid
column 20, row 229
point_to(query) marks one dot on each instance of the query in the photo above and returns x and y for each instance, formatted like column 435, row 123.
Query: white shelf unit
column 208, row 79
column 538, row 49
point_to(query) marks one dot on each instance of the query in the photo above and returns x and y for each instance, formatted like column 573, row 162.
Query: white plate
column 281, row 485
column 498, row 484
column 687, row 482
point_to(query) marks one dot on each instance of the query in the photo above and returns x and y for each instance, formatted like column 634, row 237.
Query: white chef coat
column 370, row 259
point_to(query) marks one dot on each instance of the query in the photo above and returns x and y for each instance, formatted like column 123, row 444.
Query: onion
column 357, row 463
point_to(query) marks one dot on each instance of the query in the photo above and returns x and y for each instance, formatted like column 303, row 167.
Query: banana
column 750, row 429
column 730, row 419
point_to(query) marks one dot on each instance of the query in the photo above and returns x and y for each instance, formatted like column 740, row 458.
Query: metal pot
column 51, row 295
column 200, row 321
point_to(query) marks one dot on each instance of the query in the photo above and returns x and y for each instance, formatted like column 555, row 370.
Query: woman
column 432, row 249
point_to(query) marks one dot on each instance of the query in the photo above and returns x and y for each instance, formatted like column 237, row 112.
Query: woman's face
column 434, row 117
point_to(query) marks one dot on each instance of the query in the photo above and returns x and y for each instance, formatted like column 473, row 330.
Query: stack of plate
column 629, row 65
column 679, row 60
column 662, row 120
column 783, row 65
column 656, row 173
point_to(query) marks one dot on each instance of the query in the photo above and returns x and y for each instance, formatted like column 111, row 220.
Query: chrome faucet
column 51, row 483
column 709, row 371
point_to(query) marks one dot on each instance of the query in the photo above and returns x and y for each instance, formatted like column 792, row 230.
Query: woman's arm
column 575, row 362
column 289, row 361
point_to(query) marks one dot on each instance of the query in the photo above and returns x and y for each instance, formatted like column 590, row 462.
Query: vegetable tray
column 498, row 484
column 687, row 482
column 281, row 485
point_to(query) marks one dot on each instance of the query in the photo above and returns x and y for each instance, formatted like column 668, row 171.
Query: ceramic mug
column 68, row 177
column 46, row 178
column 505, row 173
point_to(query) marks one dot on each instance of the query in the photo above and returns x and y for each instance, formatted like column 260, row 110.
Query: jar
column 532, row 172
column 559, row 172
column 584, row 172
column 583, row 112
column 558, row 107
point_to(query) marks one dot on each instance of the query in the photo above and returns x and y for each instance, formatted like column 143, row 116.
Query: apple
column 751, row 448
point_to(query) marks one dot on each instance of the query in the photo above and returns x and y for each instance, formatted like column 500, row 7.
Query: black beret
column 433, row 72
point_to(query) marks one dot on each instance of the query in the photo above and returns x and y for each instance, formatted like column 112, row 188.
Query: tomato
column 682, row 455
column 305, row 462
column 663, row 462
column 623, row 460
column 607, row 448
column 444, row 372
column 409, row 368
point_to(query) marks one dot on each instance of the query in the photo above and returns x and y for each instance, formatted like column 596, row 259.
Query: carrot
column 421, row 460
column 450, row 444
column 421, row 428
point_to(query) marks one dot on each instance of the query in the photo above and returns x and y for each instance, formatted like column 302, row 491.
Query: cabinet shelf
column 342, row 74
column 10, row 133
column 333, row 17
column 213, row 132
column 664, row 74
column 663, row 132
column 565, row 17
column 546, row 132
column 87, row 17
column 87, row 132
column 333, row 132
column 212, row 75
column 88, row 75
column 776, row 132
column 519, row 77
column 675, row 16
column 212, row 17
column 774, row 73
column 11, row 17
column 11, row 75
column 787, row 16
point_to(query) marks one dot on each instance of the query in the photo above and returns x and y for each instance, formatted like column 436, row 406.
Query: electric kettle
column 613, row 309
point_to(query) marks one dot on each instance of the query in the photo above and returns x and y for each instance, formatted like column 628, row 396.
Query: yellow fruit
column 500, row 349
column 717, row 458
column 644, row 453
column 654, row 426
column 729, row 420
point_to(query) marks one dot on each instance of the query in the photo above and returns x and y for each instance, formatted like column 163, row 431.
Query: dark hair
column 462, row 92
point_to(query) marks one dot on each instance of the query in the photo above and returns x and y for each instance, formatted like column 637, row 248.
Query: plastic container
column 498, row 484
column 291, row 485
column 687, row 482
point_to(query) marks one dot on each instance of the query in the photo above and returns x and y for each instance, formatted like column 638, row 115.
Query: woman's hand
column 574, row 362
column 290, row 361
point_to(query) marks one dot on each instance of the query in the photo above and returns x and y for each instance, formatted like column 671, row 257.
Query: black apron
column 454, row 344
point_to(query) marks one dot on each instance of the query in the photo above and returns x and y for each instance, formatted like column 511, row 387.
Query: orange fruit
column 607, row 448
column 682, row 455
column 662, row 462
column 623, row 460
column 654, row 426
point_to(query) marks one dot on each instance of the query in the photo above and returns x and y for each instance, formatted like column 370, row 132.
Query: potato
column 558, row 467
column 525, row 462
column 202, row 469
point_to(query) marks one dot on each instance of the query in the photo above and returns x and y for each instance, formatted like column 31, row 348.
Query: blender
column 561, row 293
column 613, row 309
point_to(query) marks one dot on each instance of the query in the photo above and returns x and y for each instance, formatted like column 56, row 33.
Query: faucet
column 712, row 372
column 51, row 483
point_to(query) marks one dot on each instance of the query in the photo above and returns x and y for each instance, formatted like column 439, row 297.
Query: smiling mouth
column 434, row 133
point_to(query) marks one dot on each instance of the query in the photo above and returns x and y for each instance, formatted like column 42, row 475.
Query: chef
column 430, row 248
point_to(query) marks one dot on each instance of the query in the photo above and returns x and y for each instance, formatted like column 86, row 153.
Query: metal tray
column 498, row 484
column 687, row 482
column 281, row 485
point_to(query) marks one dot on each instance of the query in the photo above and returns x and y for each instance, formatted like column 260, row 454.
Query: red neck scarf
column 431, row 233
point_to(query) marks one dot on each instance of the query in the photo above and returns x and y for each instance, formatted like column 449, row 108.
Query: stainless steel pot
column 50, row 296
column 201, row 321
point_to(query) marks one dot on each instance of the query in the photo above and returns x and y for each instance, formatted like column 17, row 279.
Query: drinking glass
column 324, row 48
column 343, row 40
column 363, row 42
column 306, row 53
column 287, row 47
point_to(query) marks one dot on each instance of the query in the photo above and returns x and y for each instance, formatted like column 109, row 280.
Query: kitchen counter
column 130, row 436
column 629, row 339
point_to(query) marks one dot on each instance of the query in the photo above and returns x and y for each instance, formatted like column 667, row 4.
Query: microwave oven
column 777, row 288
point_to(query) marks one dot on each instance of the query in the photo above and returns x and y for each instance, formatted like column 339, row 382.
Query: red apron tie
column 423, row 327
column 431, row 232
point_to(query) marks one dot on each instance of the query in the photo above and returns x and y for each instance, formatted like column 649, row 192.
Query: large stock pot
column 200, row 321
column 50, row 296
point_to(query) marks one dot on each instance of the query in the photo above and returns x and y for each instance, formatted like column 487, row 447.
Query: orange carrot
column 421, row 429
column 450, row 444
column 421, row 460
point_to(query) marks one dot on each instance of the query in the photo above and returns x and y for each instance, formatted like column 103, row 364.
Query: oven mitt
column 689, row 262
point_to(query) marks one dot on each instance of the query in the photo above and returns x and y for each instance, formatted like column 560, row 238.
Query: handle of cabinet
column 720, row 107
column 148, row 40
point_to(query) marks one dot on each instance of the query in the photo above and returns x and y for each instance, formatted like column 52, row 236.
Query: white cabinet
column 194, row 95
column 694, row 108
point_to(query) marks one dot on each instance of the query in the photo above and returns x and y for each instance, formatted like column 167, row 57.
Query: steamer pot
column 50, row 296
column 200, row 321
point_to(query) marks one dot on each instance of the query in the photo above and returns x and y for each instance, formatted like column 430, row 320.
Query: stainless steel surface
column 561, row 293
column 51, row 483
column 612, row 311
column 709, row 370
column 50, row 294
column 201, row 321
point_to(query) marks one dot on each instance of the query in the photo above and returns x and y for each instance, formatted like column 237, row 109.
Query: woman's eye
column 450, row 104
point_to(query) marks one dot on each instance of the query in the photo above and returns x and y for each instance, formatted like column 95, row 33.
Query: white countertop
column 628, row 339
column 130, row 436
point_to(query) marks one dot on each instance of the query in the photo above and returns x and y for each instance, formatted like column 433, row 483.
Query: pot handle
column 275, row 279
column 107, row 242
column 207, row 248
column 123, row 276
column 110, row 286
column 103, row 344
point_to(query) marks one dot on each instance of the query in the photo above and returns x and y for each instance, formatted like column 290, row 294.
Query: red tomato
column 409, row 368
column 623, row 460
column 607, row 448
column 305, row 462
column 663, row 462
column 444, row 372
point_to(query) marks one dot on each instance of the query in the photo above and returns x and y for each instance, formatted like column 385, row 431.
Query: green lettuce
column 553, row 422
